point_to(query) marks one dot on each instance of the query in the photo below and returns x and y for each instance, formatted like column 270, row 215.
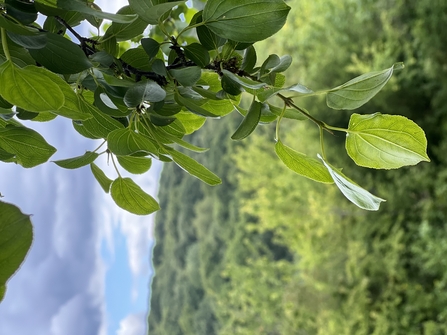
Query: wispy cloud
column 133, row 324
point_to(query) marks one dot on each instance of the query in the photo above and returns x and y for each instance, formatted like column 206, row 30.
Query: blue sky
column 88, row 271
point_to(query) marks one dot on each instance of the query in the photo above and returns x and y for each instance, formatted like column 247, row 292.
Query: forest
column 270, row 252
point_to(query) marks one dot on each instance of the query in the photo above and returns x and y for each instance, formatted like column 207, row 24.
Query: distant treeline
column 269, row 252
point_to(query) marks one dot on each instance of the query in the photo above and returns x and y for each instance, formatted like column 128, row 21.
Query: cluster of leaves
column 144, row 100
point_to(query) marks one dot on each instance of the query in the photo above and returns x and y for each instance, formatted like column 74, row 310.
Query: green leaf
column 144, row 91
column 284, row 63
column 198, row 54
column 137, row 58
column 245, row 20
column 187, row 76
column 60, row 55
column 17, row 28
column 24, row 12
column 77, row 162
column 100, row 176
column 151, row 46
column 289, row 113
column 30, row 88
column 244, row 82
column 100, row 125
column 266, row 94
column 126, row 31
column 249, row 60
column 16, row 236
column 194, row 168
column 29, row 146
column 209, row 39
column 249, row 123
column 127, row 142
column 192, row 106
column 36, row 41
column 132, row 198
column 230, row 86
column 360, row 90
column 302, row 164
column 135, row 165
column 385, row 141
column 190, row 122
column 82, row 7
column 353, row 192
column 71, row 108
column 151, row 11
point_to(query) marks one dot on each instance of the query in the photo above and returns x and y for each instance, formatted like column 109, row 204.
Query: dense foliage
column 278, row 254
column 142, row 99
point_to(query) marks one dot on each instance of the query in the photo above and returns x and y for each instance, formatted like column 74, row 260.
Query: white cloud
column 63, row 267
column 133, row 324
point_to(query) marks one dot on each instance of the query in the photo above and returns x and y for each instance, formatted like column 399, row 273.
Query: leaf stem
column 336, row 128
column 114, row 164
column 322, row 142
column 5, row 44
column 190, row 27
column 279, row 121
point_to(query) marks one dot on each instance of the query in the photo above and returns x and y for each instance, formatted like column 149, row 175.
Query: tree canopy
column 155, row 74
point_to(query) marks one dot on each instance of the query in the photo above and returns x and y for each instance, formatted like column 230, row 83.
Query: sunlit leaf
column 191, row 105
column 29, row 147
column 127, row 142
column 194, row 168
column 136, row 165
column 360, row 90
column 353, row 192
column 303, row 165
column 100, row 176
column 30, row 88
column 77, row 162
column 16, row 236
column 385, row 141
column 132, row 198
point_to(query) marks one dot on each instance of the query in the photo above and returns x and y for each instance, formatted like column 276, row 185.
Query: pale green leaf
column 135, row 165
column 385, row 141
column 132, row 198
column 353, row 192
column 191, row 105
column 127, row 142
column 302, row 164
column 245, row 20
column 100, row 176
column 30, row 88
column 77, row 162
column 100, row 125
column 29, row 147
column 194, row 168
column 16, row 236
column 360, row 90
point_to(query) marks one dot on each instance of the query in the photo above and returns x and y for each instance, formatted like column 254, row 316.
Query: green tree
column 142, row 101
